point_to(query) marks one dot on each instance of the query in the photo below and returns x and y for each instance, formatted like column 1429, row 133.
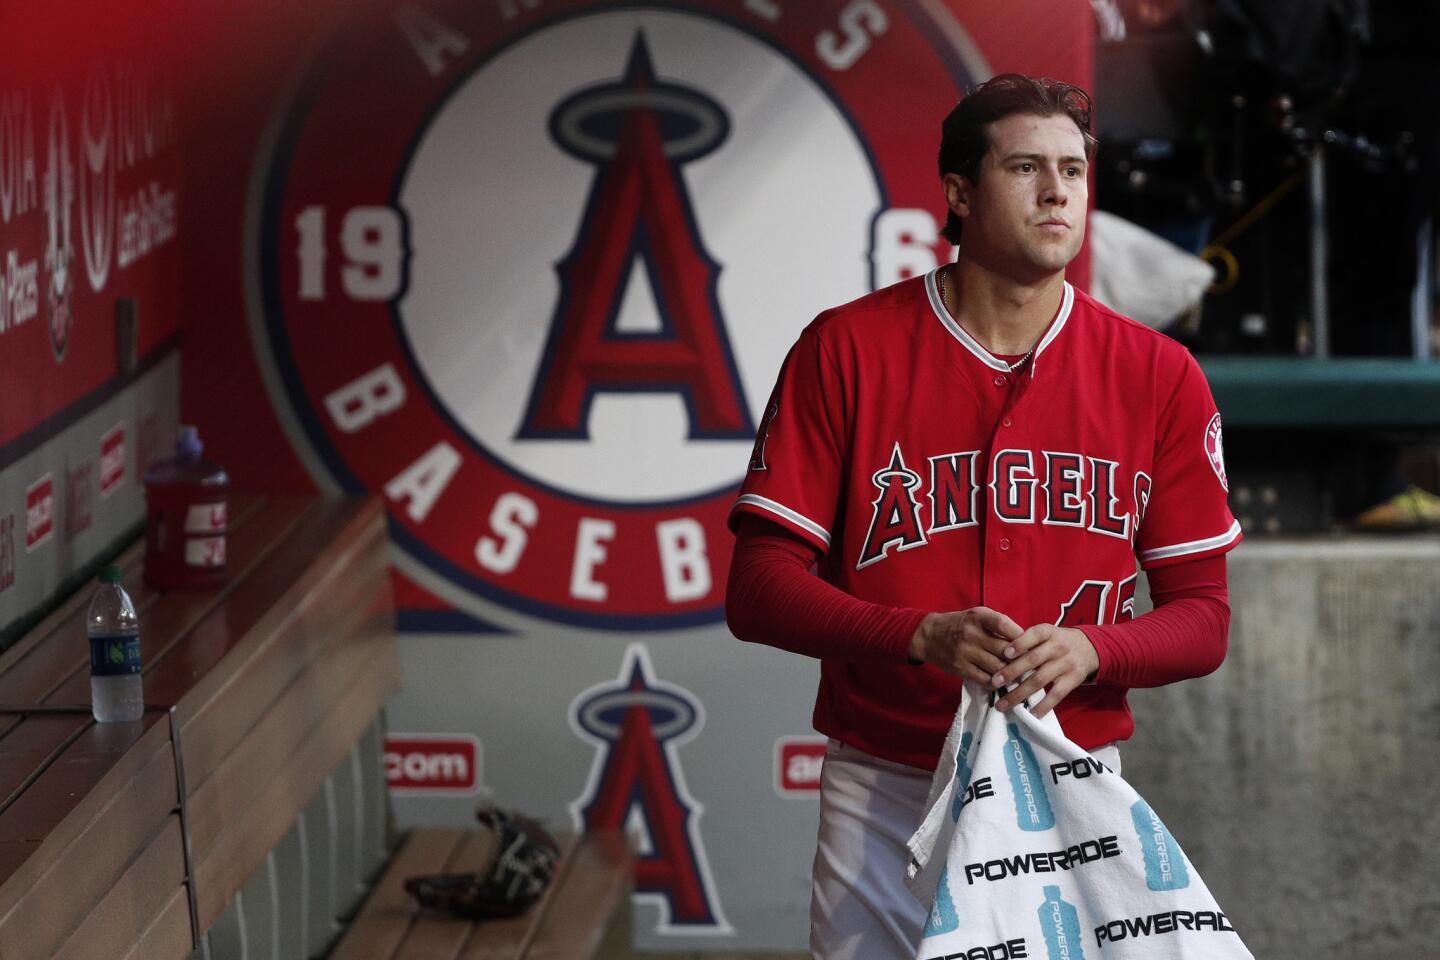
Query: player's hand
column 968, row 643
column 1062, row 657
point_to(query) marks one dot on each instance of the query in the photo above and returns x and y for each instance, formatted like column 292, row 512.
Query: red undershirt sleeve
column 774, row 599
column 1185, row 636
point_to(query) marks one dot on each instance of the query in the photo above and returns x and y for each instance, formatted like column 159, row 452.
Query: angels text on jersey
column 1018, row 486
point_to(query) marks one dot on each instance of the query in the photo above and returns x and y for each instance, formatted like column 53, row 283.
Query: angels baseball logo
column 1215, row 450
column 636, row 784
column 542, row 310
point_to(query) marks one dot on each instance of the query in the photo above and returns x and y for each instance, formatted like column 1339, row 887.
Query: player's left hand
column 1062, row 657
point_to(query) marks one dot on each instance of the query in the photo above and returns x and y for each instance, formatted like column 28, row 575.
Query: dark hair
column 963, row 137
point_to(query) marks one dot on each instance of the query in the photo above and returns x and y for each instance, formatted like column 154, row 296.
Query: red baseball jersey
column 930, row 476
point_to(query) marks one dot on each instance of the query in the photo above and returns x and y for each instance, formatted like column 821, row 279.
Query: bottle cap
column 111, row 574
column 188, row 445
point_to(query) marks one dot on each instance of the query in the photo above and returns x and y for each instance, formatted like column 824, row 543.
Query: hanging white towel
column 1031, row 848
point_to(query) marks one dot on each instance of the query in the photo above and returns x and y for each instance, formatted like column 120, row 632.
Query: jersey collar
column 932, row 289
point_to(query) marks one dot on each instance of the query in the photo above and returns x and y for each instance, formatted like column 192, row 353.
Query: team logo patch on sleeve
column 1215, row 450
column 541, row 311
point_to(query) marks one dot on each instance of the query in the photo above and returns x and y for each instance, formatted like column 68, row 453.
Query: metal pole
column 1319, row 255
column 1420, row 298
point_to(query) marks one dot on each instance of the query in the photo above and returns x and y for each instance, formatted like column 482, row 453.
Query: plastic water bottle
column 114, row 633
column 185, row 501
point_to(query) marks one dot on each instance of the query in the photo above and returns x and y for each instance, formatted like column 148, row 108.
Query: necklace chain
column 945, row 301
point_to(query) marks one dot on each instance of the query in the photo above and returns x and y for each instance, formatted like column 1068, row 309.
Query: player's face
column 1026, row 216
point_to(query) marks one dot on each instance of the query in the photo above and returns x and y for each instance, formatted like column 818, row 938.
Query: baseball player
column 975, row 459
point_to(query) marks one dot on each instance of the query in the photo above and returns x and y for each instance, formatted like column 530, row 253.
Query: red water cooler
column 187, row 519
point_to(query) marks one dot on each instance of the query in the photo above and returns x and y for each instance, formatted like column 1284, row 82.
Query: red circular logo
column 529, row 272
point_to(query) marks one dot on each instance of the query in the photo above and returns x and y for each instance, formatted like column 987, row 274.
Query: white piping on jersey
column 780, row 510
column 932, row 289
column 1194, row 546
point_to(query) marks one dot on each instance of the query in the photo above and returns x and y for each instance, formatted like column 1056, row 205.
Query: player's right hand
column 967, row 643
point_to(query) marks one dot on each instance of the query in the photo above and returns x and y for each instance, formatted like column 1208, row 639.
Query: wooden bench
column 584, row 913
column 129, row 840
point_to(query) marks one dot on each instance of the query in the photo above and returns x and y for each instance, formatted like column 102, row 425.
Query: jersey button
column 1005, row 422
column 999, row 379
column 1004, row 544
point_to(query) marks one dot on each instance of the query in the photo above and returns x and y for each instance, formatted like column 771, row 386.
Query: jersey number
column 1090, row 604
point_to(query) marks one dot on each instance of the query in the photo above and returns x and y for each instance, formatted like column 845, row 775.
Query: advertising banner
column 89, row 292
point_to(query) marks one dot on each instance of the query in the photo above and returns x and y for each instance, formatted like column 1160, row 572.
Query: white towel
column 1031, row 848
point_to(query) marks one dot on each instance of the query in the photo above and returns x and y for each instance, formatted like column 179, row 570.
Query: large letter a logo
column 636, row 784
column 638, row 226
column 895, row 522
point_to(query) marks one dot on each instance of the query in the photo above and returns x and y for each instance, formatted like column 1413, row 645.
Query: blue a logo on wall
column 636, row 784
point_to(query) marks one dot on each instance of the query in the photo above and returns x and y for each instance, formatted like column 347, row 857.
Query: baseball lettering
column 683, row 564
column 511, row 519
column 1075, row 491
column 1066, row 505
column 860, row 22
column 953, row 491
column 680, row 543
column 1106, row 518
column 590, row 552
column 510, row 9
column 764, row 9
column 366, row 398
column 434, row 42
column 1142, row 496
column 1013, row 949
column 1101, row 848
column 1156, row 924
column 1013, row 486
column 419, row 485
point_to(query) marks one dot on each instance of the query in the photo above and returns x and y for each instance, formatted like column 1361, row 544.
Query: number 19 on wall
column 372, row 241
